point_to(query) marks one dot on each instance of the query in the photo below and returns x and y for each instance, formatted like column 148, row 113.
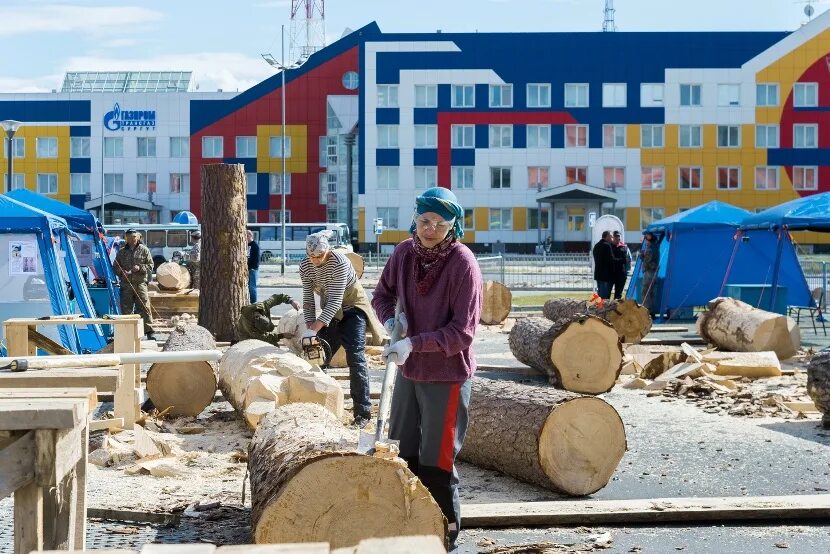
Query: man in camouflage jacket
column 134, row 265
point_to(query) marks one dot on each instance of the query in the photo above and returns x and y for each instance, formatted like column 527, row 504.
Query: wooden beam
column 673, row 341
column 24, row 414
column 115, row 514
column 57, row 453
column 17, row 464
column 45, row 343
column 115, row 423
column 102, row 379
column 53, row 393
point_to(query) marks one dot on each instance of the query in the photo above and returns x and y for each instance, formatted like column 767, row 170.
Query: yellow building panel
column 482, row 219
column 710, row 136
column 469, row 237
column 632, row 136
column 632, row 219
column 672, row 135
column 395, row 237
column 520, row 219
column 361, row 224
column 297, row 162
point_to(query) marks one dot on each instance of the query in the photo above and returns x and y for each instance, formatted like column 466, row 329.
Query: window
column 332, row 216
column 538, row 95
column 179, row 183
column 501, row 219
column 729, row 178
column 729, row 95
column 650, row 215
column 576, row 219
column 538, row 136
column 613, row 136
column 113, row 183
column 79, row 183
column 805, row 136
column 534, row 221
column 387, row 136
column 387, row 178
column 500, row 177
column 576, row 136
column 613, row 95
column 651, row 95
column 691, row 178
column 275, row 216
column 766, row 178
column 179, row 147
column 426, row 136
column 501, row 96
column 47, row 183
column 805, row 95
column 463, row 96
column 18, row 147
column 426, row 177
column 462, row 177
column 328, row 188
column 18, row 181
column 804, row 178
column 250, row 183
column 766, row 94
column 389, row 217
column 766, row 136
column 690, row 95
column 538, row 177
column 351, row 80
column 387, row 96
column 252, row 217
column 212, row 147
column 576, row 175
column 729, row 136
column 576, row 95
column 275, row 183
column 469, row 218
column 276, row 145
column 690, row 136
column 146, row 147
column 651, row 136
column 652, row 178
column 426, row 96
column 79, row 147
column 613, row 177
column 145, row 183
column 47, row 147
column 501, row 136
column 246, row 147
column 463, row 136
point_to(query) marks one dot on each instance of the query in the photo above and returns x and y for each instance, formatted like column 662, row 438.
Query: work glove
column 402, row 321
column 401, row 350
column 309, row 333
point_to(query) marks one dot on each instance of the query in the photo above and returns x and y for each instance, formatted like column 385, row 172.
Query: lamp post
column 10, row 126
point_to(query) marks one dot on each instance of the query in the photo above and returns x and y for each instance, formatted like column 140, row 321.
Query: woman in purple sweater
column 437, row 282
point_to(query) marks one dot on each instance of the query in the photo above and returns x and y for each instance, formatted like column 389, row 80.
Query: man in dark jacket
column 253, row 265
column 604, row 265
column 622, row 263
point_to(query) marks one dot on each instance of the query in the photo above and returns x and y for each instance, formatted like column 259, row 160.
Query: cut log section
column 309, row 485
column 753, row 365
column 733, row 325
column 557, row 439
column 186, row 388
column 497, row 302
column 582, row 354
column 630, row 319
column 818, row 384
column 172, row 276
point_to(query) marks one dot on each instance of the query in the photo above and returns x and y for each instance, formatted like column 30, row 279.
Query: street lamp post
column 10, row 126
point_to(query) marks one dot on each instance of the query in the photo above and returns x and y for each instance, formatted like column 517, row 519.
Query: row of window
column 80, row 183
column 614, row 95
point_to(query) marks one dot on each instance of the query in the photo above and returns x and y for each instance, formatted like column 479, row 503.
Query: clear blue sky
column 220, row 40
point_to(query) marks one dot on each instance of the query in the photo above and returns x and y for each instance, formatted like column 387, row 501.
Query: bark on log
column 733, row 325
column 186, row 388
column 582, row 354
column 224, row 264
column 631, row 320
column 172, row 276
column 497, row 302
column 557, row 439
column 309, row 485
column 818, row 384
column 256, row 377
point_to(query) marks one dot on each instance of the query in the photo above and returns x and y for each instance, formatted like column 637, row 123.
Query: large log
column 172, row 276
column 630, row 319
column 557, row 439
column 582, row 354
column 733, row 325
column 256, row 377
column 309, row 485
column 186, row 388
column 496, row 303
column 818, row 384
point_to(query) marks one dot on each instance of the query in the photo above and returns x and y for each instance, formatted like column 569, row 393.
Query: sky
column 221, row 40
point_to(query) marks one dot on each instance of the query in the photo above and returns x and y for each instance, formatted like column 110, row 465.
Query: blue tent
column 86, row 226
column 809, row 213
column 33, row 273
column 697, row 249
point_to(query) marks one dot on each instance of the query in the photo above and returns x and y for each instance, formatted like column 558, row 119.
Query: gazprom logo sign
column 129, row 120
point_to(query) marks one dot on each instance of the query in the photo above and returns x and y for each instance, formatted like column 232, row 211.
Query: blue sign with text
column 129, row 120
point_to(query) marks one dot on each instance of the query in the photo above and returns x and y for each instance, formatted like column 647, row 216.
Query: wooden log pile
column 630, row 319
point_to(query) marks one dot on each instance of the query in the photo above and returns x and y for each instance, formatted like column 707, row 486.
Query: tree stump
column 556, row 439
column 733, row 325
column 496, row 303
column 631, row 320
column 309, row 485
column 186, row 388
column 581, row 354
column 172, row 276
column 224, row 264
column 818, row 384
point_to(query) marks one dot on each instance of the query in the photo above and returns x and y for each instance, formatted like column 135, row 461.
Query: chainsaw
column 316, row 350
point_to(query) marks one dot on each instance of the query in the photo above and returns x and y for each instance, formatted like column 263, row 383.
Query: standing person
column 436, row 282
column 651, row 263
column 622, row 263
column 344, row 314
column 253, row 265
column 604, row 265
column 134, row 265
column 255, row 320
column 194, row 259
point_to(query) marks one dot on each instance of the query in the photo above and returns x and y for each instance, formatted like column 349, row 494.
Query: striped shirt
column 331, row 279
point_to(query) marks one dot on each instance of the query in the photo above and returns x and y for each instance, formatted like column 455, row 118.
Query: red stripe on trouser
column 446, row 455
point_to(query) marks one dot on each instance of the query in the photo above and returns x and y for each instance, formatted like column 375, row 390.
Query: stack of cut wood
column 630, row 319
column 670, row 362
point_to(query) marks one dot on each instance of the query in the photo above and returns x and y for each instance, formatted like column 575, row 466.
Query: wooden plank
column 288, row 548
column 71, row 320
column 45, row 343
column 127, row 339
column 99, row 424
column 102, row 379
column 57, row 452
column 193, row 548
column 17, row 464
column 24, row 414
column 673, row 341
column 17, row 340
column 80, row 493
column 115, row 514
column 54, row 393
column 28, row 518
column 670, row 328
column 518, row 369
column 657, row 510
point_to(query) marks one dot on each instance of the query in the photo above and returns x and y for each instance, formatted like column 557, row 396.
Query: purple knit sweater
column 442, row 323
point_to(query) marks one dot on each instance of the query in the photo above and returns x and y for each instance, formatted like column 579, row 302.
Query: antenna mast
column 308, row 28
column 608, row 24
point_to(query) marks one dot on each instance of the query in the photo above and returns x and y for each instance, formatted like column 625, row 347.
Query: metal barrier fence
column 815, row 271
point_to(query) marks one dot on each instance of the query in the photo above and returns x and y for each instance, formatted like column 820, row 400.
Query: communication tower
column 308, row 28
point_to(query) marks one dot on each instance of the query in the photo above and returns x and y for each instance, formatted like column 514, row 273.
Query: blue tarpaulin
column 810, row 213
